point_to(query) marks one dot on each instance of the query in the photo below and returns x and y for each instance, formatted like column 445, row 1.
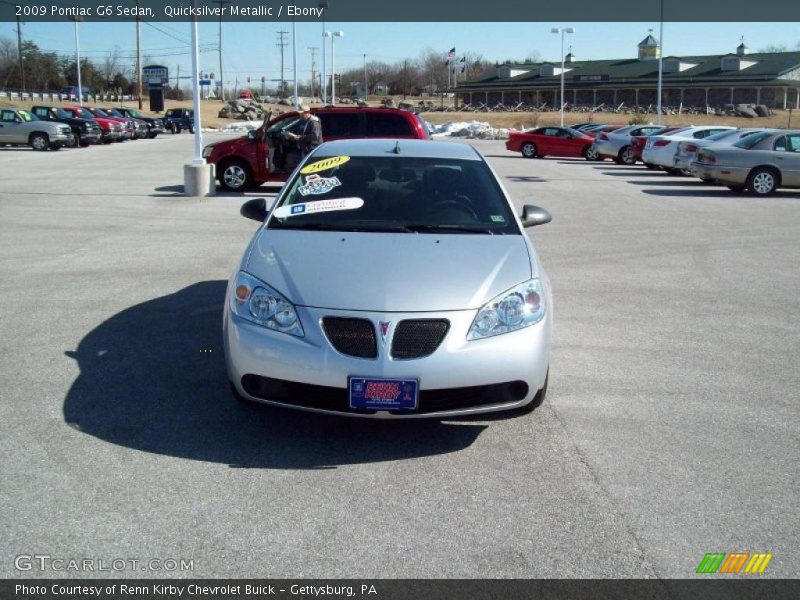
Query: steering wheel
column 456, row 205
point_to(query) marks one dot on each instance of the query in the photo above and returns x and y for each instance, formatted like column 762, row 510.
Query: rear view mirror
column 255, row 209
column 533, row 215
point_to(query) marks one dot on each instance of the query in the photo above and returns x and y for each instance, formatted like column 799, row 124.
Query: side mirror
column 255, row 209
column 17, row 120
column 533, row 216
column 252, row 135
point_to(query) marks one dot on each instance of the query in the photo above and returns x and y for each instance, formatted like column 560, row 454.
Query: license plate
column 383, row 394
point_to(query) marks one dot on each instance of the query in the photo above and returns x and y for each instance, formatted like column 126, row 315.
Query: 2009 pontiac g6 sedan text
column 392, row 278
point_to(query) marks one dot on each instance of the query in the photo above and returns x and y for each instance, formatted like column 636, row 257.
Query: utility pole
column 221, row 79
column 19, row 51
column 313, row 68
column 138, row 58
column 178, row 79
column 282, row 44
column 366, row 87
column 294, row 63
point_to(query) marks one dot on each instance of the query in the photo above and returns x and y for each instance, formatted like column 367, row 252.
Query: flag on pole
column 449, row 55
column 463, row 62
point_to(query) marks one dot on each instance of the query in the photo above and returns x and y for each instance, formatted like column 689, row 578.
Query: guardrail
column 13, row 95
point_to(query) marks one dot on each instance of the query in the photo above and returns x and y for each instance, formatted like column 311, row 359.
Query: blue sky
column 250, row 48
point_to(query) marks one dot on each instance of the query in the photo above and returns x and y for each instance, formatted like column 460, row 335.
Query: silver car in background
column 687, row 149
column 20, row 127
column 391, row 279
column 617, row 144
column 760, row 163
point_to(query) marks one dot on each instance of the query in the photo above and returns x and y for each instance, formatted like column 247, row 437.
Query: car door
column 549, row 141
column 787, row 158
column 11, row 128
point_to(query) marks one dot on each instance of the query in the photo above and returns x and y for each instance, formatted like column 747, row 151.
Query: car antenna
column 397, row 147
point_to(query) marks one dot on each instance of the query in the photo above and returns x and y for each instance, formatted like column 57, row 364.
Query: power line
column 281, row 44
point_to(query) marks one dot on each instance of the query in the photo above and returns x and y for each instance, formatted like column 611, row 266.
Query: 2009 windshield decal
column 304, row 208
column 324, row 164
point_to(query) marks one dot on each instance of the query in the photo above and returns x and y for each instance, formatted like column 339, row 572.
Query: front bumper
column 519, row 356
column 111, row 135
column 92, row 136
column 721, row 173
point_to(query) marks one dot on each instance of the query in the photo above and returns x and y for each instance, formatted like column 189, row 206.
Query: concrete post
column 758, row 95
column 706, row 99
column 486, row 97
column 199, row 180
column 785, row 93
column 731, row 95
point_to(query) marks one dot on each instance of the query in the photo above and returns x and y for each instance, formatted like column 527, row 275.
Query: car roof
column 407, row 147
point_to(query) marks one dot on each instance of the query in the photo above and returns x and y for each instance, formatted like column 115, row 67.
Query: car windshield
column 113, row 112
column 751, row 140
column 283, row 124
column 395, row 194
column 100, row 112
column 133, row 112
column 85, row 113
column 723, row 134
column 63, row 114
column 574, row 132
column 27, row 116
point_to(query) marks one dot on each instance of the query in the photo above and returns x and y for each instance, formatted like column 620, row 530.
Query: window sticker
column 305, row 208
column 498, row 218
column 324, row 165
column 316, row 185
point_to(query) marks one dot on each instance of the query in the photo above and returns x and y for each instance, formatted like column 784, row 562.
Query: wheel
column 235, row 176
column 762, row 181
column 686, row 173
column 74, row 140
column 529, row 150
column 672, row 171
column 618, row 160
column 191, row 129
column 651, row 166
column 626, row 156
column 40, row 141
column 735, row 188
column 540, row 396
column 591, row 153
column 176, row 128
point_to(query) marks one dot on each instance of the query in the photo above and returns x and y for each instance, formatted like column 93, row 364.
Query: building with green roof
column 772, row 79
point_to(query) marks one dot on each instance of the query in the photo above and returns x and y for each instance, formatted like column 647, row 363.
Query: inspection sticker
column 317, row 185
column 291, row 210
column 324, row 165
column 498, row 218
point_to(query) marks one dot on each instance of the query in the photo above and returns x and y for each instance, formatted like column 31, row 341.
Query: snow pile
column 237, row 127
column 473, row 130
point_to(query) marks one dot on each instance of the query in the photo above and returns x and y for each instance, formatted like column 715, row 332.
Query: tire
column 234, row 175
column 176, row 128
column 672, row 171
column 39, row 142
column 538, row 399
column 686, row 173
column 191, row 129
column 618, row 160
column 626, row 156
column 763, row 181
column 735, row 188
column 75, row 140
column 651, row 166
column 528, row 150
column 591, row 153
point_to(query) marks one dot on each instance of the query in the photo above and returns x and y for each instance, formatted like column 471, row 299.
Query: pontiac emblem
column 384, row 330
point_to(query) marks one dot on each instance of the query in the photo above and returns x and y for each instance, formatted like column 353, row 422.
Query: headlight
column 207, row 151
column 514, row 309
column 87, row 126
column 255, row 301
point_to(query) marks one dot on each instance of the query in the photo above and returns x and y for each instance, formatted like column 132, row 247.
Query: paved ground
column 670, row 430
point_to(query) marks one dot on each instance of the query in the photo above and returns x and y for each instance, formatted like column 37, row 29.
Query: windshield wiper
column 335, row 227
column 424, row 228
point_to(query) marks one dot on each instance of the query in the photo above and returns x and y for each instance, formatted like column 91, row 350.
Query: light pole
column 562, row 31
column 660, row 63
column 366, row 87
column 333, row 35
column 78, row 60
column 294, row 61
column 324, row 78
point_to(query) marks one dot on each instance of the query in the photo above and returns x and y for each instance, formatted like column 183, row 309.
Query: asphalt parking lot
column 670, row 430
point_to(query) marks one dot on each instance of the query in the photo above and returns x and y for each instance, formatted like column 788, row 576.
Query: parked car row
column 46, row 127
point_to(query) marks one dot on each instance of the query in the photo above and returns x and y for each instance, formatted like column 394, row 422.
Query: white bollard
column 199, row 180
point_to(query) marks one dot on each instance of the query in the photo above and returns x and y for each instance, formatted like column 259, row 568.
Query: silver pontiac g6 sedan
column 391, row 279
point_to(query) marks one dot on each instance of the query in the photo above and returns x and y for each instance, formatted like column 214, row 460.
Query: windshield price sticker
column 317, row 185
column 305, row 208
column 324, row 165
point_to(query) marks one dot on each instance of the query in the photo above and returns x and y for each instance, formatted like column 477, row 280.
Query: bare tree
column 110, row 66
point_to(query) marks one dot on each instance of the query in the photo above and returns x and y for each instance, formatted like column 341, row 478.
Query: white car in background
column 687, row 150
column 617, row 144
column 660, row 150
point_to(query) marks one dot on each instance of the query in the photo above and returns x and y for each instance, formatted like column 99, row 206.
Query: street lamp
column 333, row 35
column 78, row 60
column 562, row 31
column 323, row 5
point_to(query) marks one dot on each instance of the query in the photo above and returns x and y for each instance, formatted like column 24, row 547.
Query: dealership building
column 740, row 77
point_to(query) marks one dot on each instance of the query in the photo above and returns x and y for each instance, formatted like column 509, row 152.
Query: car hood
column 230, row 145
column 389, row 272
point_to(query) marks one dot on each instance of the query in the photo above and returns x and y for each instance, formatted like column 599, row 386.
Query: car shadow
column 628, row 172
column 675, row 182
column 153, row 378
column 525, row 179
column 175, row 191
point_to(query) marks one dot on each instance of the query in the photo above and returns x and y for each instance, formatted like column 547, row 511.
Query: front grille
column 415, row 338
column 332, row 398
column 354, row 337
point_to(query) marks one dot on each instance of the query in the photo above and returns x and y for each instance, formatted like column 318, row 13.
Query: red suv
column 264, row 154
